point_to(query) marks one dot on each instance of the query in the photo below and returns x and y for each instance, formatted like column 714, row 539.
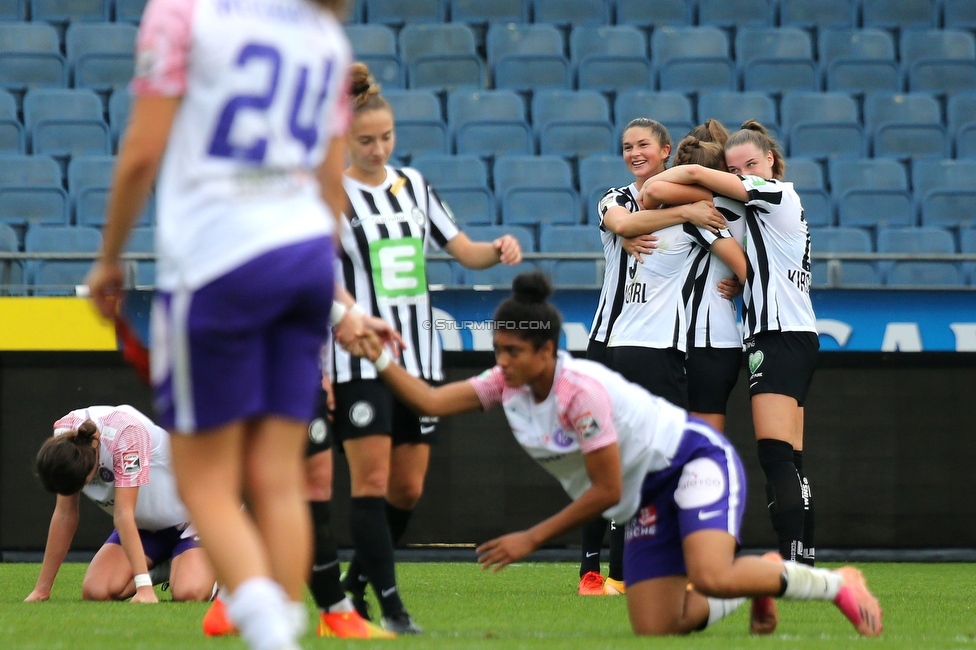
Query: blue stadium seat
column 905, row 125
column 527, row 57
column 60, row 277
column 575, row 273
column 610, row 58
column 597, row 174
column 419, row 125
column 843, row 240
column 960, row 110
column 850, row 274
column 807, row 178
column 375, row 45
column 818, row 13
column 804, row 172
column 500, row 275
column 462, row 183
column 489, row 122
column 143, row 240
column 100, row 56
column 356, row 13
column 572, row 123
column 736, row 13
column 31, row 191
column 692, row 59
column 919, row 44
column 942, row 76
column 965, row 141
column 441, row 56
column 672, row 109
column 489, row 11
column 569, row 239
column 577, row 12
column 919, row 240
column 443, row 272
column 11, row 271
column 549, row 105
column 924, row 274
column 470, row 204
column 959, row 13
column 776, row 59
column 129, row 10
column 536, row 189
column 871, row 193
column 859, row 60
column 89, row 182
column 900, row 14
column 945, row 192
column 65, row 122
column 30, row 56
column 397, row 12
column 572, row 139
column 733, row 108
column 524, row 234
column 967, row 244
column 13, row 10
column 119, row 105
column 822, row 125
column 11, row 130
column 648, row 13
column 64, row 11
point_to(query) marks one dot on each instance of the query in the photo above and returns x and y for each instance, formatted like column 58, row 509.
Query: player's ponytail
column 64, row 462
column 711, row 131
column 364, row 91
column 755, row 133
column 692, row 151
column 527, row 313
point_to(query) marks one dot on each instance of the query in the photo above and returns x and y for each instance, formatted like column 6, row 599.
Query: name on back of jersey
column 635, row 291
column 800, row 278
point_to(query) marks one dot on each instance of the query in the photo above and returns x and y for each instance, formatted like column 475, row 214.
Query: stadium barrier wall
column 889, row 453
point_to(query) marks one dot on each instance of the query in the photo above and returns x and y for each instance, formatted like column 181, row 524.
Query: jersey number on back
column 307, row 134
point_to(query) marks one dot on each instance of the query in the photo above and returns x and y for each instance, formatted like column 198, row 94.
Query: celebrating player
column 779, row 323
column 119, row 459
column 245, row 105
column 622, row 451
column 394, row 217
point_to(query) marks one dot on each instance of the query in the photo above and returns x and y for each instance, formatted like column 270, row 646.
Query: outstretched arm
column 729, row 251
column 125, row 522
column 64, row 523
column 482, row 255
column 717, row 181
column 631, row 224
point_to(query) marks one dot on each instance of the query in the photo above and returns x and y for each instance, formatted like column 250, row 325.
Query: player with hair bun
column 119, row 459
column 779, row 324
column 621, row 451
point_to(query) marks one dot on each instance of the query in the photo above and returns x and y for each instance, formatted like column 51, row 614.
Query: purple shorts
column 246, row 344
column 704, row 488
column 160, row 545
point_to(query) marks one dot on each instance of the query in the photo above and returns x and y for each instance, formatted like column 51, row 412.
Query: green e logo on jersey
column 399, row 272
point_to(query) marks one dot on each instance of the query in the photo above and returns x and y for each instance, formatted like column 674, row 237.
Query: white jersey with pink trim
column 588, row 408
column 131, row 448
column 263, row 93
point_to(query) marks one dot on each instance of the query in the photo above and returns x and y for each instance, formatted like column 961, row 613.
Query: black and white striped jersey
column 712, row 321
column 777, row 244
column 614, row 274
column 384, row 240
column 653, row 314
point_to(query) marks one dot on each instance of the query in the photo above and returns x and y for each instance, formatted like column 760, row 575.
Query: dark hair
column 527, row 313
column 64, row 462
column 339, row 7
column 692, row 151
column 364, row 91
column 661, row 133
column 753, row 132
column 711, row 131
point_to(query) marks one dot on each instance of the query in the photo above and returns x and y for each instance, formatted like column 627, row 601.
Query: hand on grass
column 502, row 551
column 144, row 595
column 37, row 596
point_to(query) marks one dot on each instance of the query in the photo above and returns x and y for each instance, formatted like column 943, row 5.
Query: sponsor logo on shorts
column 587, row 426
column 702, row 483
column 643, row 524
column 647, row 516
column 361, row 413
column 317, row 431
column 105, row 475
column 755, row 360
column 427, row 429
column 131, row 463
column 711, row 514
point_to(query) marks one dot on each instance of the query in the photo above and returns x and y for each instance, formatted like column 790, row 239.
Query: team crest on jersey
column 587, row 426
column 361, row 413
column 131, row 462
column 105, row 475
column 418, row 216
column 755, row 360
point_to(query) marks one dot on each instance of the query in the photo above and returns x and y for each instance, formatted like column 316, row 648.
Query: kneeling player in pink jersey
column 623, row 452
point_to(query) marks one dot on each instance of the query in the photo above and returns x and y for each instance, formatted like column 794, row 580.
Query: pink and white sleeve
column 163, row 49
column 490, row 387
column 67, row 423
column 130, row 455
column 589, row 412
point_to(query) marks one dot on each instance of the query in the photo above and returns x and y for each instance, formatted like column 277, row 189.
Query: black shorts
column 782, row 363
column 597, row 351
column 712, row 373
column 659, row 371
column 319, row 429
column 367, row 407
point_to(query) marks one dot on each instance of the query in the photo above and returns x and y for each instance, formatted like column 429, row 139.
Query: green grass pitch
column 525, row 606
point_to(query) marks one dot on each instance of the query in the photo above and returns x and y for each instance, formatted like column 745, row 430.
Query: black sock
column 593, row 534
column 809, row 543
column 617, row 551
column 398, row 520
column 783, row 496
column 324, row 582
column 374, row 549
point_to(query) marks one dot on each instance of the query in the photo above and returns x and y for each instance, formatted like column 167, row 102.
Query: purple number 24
column 307, row 134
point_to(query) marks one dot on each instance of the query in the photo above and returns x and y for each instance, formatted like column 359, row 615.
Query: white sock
column 341, row 607
column 259, row 609
column 298, row 615
column 807, row 583
column 719, row 608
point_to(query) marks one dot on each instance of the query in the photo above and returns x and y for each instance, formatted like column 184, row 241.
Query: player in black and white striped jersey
column 394, row 217
column 779, row 322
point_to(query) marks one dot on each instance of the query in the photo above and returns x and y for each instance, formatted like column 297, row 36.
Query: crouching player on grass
column 621, row 451
column 119, row 459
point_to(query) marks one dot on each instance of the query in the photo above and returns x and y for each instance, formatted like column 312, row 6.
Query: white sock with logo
column 260, row 610
column 807, row 583
column 719, row 608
